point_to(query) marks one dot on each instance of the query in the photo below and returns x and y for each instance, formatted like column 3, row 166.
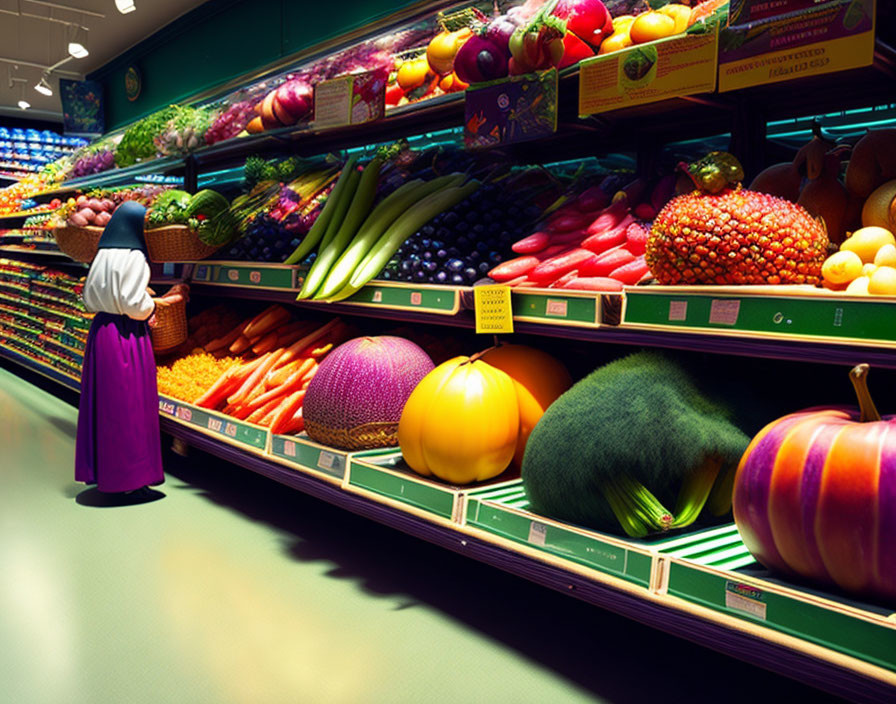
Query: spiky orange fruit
column 736, row 236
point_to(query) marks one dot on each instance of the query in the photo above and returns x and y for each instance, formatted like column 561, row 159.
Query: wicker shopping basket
column 79, row 243
column 176, row 243
column 170, row 330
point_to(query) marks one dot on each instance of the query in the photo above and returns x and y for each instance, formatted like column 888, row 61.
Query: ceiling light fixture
column 125, row 6
column 24, row 104
column 43, row 87
column 76, row 49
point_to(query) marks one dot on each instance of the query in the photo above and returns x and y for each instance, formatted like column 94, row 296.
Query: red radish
column 609, row 217
column 594, row 283
column 645, row 211
column 589, row 19
column 555, row 267
column 102, row 219
column 535, row 242
column 591, row 199
column 517, row 281
column 636, row 238
column 604, row 241
column 566, row 222
column 631, row 273
column 608, row 262
column 599, row 242
column 281, row 113
column 566, row 278
column 88, row 214
column 521, row 266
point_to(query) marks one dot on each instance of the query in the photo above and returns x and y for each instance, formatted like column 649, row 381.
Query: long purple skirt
column 118, row 447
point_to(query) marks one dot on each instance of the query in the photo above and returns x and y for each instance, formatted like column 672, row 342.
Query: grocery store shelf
column 780, row 652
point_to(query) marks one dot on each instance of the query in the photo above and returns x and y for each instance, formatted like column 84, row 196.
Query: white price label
column 416, row 298
column 167, row 407
column 215, row 424
column 326, row 460
column 289, row 449
column 556, row 309
column 377, row 296
column 230, row 429
column 678, row 310
column 538, row 533
column 184, row 413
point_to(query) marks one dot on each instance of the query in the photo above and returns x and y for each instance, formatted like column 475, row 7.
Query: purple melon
column 356, row 397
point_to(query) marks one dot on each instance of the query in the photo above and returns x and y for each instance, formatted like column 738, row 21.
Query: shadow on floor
column 616, row 659
column 65, row 425
column 95, row 498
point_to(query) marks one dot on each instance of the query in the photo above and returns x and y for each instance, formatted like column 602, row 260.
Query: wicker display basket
column 79, row 243
column 176, row 243
column 170, row 329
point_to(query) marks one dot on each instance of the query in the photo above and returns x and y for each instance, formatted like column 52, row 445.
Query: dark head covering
column 125, row 228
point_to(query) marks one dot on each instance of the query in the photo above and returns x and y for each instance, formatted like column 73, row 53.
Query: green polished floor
column 233, row 589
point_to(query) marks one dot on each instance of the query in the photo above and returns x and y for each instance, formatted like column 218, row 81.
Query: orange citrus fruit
column 650, row 26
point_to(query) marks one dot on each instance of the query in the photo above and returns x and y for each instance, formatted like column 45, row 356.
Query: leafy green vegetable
column 137, row 141
column 170, row 208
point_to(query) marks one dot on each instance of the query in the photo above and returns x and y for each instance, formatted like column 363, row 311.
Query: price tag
column 233, row 274
column 230, row 429
column 556, row 308
column 167, row 407
column 215, row 424
column 538, row 533
column 255, row 277
column 289, row 449
column 168, row 269
column 184, row 413
column 724, row 311
column 416, row 298
column 326, row 460
column 494, row 313
column 678, row 311
column 744, row 598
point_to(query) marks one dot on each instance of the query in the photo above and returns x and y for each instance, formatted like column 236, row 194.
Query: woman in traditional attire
column 118, row 447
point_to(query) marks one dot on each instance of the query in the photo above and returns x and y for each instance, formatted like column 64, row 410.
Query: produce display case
column 701, row 583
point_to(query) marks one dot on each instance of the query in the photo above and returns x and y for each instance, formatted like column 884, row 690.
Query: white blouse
column 116, row 283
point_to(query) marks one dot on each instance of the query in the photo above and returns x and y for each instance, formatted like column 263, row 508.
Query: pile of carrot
column 268, row 389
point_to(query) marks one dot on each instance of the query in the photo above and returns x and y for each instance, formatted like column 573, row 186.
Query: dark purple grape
column 472, row 217
column 463, row 243
column 405, row 267
column 427, row 230
column 420, row 276
column 462, row 227
column 484, row 267
column 474, row 256
column 454, row 252
column 441, row 277
column 441, row 254
column 457, row 279
column 451, row 219
column 471, row 273
column 430, row 267
column 427, row 256
column 482, row 247
column 455, row 265
column 479, row 229
column 426, row 243
column 495, row 257
column 443, row 233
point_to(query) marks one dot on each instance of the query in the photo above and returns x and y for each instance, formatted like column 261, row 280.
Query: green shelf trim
column 401, row 486
column 836, row 319
column 299, row 451
column 556, row 308
column 229, row 428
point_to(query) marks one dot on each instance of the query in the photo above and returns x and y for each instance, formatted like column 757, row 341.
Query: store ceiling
column 36, row 34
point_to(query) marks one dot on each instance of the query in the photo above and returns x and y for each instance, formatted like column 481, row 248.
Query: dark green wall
column 223, row 40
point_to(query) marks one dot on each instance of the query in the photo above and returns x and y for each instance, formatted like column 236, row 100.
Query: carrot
column 295, row 426
column 312, row 370
column 224, row 341
column 279, row 376
column 226, row 384
column 240, row 345
column 259, row 414
column 287, row 410
column 266, row 343
column 256, row 376
column 292, row 383
column 257, row 318
column 277, row 315
column 296, row 347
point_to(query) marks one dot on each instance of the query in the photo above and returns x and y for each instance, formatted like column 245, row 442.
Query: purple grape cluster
column 463, row 244
column 94, row 163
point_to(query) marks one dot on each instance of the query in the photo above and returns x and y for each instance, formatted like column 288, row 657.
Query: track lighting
column 125, row 6
column 77, row 50
column 24, row 104
column 43, row 87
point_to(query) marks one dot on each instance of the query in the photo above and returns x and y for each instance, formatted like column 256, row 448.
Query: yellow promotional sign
column 843, row 34
column 646, row 73
column 494, row 313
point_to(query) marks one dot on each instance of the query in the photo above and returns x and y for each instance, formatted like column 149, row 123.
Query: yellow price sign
column 494, row 313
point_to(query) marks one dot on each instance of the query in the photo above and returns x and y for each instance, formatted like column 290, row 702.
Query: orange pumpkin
column 539, row 379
